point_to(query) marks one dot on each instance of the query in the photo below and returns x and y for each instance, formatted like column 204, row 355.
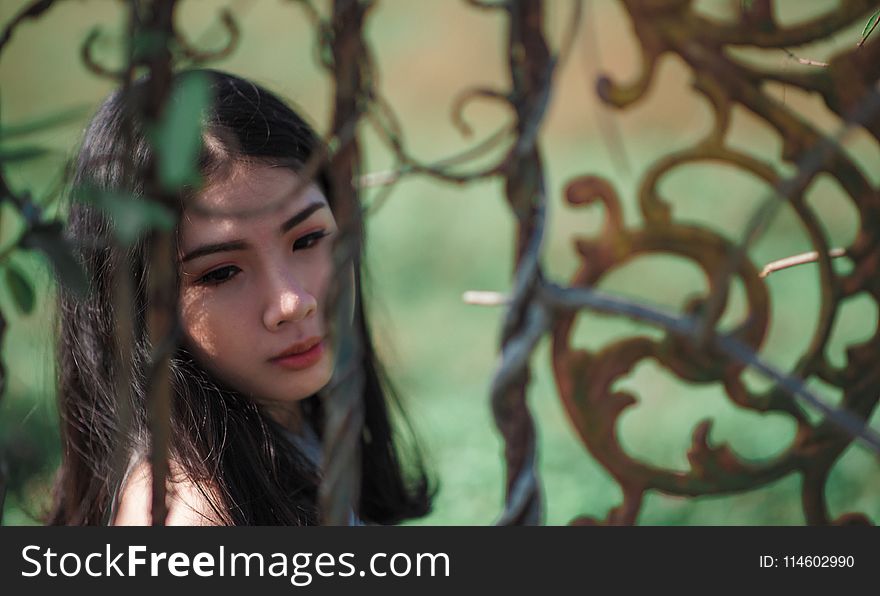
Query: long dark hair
column 219, row 438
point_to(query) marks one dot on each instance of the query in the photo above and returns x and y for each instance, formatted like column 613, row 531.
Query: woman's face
column 253, row 288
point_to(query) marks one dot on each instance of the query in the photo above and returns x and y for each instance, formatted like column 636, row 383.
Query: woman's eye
column 218, row 276
column 309, row 240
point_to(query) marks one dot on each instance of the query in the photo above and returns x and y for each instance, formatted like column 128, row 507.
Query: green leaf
column 146, row 44
column 131, row 216
column 48, row 239
column 21, row 154
column 21, row 289
column 871, row 23
column 46, row 122
column 177, row 138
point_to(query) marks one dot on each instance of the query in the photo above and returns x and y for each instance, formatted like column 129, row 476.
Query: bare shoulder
column 186, row 501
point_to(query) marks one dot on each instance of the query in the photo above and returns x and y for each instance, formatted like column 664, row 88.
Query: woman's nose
column 288, row 301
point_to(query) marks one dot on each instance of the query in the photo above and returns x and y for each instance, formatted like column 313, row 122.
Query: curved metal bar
column 201, row 56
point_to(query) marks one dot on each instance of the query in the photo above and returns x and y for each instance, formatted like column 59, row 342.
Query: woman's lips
column 302, row 359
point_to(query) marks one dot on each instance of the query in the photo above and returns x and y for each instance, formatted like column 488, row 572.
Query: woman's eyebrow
column 207, row 249
column 231, row 245
column 301, row 216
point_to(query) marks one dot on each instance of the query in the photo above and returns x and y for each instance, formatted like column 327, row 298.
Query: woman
column 246, row 416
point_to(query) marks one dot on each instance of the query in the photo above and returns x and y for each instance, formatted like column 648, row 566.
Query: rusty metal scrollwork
column 693, row 348
column 586, row 379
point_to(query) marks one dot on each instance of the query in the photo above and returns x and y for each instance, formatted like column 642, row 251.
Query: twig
column 811, row 162
column 806, row 61
column 383, row 178
column 485, row 298
column 867, row 34
column 800, row 259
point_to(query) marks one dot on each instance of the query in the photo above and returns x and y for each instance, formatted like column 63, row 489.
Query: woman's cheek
column 196, row 320
column 324, row 274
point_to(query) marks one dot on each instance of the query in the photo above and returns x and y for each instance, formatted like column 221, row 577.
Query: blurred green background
column 432, row 241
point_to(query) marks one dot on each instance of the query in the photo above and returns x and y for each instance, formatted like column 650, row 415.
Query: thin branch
column 383, row 178
column 800, row 259
column 806, row 61
column 867, row 34
column 485, row 298
column 811, row 163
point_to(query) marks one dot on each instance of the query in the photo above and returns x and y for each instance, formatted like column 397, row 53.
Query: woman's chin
column 304, row 383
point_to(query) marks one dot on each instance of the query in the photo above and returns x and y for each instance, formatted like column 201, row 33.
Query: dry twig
column 800, row 259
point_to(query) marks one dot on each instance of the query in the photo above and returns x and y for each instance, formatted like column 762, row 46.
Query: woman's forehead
column 251, row 198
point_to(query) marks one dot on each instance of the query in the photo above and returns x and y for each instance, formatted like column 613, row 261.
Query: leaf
column 48, row 239
column 21, row 154
column 69, row 115
column 872, row 22
column 131, row 216
column 146, row 44
column 177, row 138
column 21, row 289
